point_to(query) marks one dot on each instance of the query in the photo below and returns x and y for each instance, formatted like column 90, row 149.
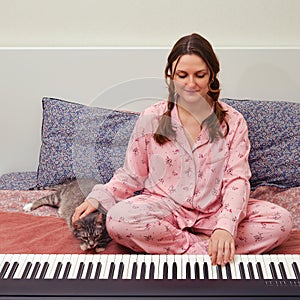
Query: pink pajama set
column 187, row 192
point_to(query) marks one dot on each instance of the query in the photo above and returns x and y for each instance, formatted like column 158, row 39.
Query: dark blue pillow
column 275, row 141
column 81, row 141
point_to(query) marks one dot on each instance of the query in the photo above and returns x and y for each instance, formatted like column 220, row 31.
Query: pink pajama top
column 210, row 178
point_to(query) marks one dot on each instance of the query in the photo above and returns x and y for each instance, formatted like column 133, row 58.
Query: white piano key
column 139, row 262
column 10, row 258
column 126, row 262
column 2, row 256
column 185, row 261
column 214, row 272
column 53, row 261
column 265, row 268
column 35, row 259
column 148, row 260
column 22, row 260
column 206, row 259
column 268, row 260
column 65, row 259
column 287, row 265
column 236, row 261
column 289, row 260
column 224, row 273
column 296, row 258
column 252, row 260
column 117, row 261
column 95, row 260
column 87, row 259
column 162, row 261
column 179, row 265
column 73, row 270
column 192, row 260
column 105, row 260
column 244, row 259
column 275, row 258
column 132, row 261
column 170, row 261
column 156, row 261
column 200, row 261
column 233, row 270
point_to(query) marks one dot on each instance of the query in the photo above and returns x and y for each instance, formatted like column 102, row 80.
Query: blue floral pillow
column 81, row 141
column 275, row 141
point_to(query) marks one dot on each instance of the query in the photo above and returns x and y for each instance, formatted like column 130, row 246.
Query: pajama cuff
column 226, row 225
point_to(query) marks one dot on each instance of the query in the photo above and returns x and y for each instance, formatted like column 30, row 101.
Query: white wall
column 148, row 22
column 28, row 75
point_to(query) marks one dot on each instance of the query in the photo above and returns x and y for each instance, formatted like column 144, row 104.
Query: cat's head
column 91, row 231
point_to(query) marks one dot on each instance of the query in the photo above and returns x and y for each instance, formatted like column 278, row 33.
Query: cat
column 90, row 230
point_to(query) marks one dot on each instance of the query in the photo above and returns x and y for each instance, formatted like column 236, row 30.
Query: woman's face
column 191, row 79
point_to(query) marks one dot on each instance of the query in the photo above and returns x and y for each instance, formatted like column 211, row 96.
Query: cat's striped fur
column 91, row 230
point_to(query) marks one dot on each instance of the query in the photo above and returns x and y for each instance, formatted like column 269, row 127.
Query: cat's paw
column 28, row 207
column 83, row 247
column 98, row 250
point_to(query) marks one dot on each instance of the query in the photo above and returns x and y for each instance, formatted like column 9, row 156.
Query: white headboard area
column 122, row 78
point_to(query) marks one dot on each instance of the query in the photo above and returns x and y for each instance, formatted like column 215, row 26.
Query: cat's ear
column 99, row 220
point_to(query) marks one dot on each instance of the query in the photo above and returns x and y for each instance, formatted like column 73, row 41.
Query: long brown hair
column 192, row 44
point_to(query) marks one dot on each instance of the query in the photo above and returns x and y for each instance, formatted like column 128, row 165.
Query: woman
column 189, row 157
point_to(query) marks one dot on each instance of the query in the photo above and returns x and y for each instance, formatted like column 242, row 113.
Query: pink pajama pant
column 148, row 225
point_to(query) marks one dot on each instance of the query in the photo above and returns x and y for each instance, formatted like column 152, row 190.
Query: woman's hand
column 84, row 209
column 221, row 247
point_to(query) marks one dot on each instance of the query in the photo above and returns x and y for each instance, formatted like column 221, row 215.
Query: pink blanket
column 25, row 233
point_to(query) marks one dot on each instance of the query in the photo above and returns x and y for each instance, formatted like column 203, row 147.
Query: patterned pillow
column 275, row 141
column 81, row 141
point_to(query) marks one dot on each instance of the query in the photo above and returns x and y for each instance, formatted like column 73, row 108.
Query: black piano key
column 13, row 270
column 197, row 270
column 111, row 270
column 143, row 271
column 121, row 270
column 250, row 270
column 282, row 271
column 152, row 270
column 174, row 270
column 44, row 270
column 242, row 270
column 188, row 270
column 165, row 271
column 80, row 270
column 219, row 272
column 89, row 271
column 205, row 271
column 98, row 270
column 259, row 271
column 35, row 270
column 57, row 270
column 4, row 269
column 228, row 271
column 67, row 270
column 134, row 271
column 296, row 270
column 26, row 271
column 273, row 270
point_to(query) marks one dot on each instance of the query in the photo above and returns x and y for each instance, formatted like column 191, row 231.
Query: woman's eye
column 181, row 75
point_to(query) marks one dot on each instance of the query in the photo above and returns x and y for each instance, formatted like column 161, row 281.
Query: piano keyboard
column 148, row 274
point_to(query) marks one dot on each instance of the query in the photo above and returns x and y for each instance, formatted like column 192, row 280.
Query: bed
column 274, row 161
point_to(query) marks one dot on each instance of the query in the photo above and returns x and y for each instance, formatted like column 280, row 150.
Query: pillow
column 275, row 141
column 81, row 141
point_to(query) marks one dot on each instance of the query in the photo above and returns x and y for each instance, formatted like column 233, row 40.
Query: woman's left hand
column 221, row 247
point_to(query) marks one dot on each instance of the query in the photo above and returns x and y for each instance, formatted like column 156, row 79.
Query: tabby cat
column 91, row 230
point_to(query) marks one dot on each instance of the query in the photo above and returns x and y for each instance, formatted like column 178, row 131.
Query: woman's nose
column 191, row 81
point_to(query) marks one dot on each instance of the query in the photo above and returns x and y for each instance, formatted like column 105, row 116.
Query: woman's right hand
column 84, row 209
